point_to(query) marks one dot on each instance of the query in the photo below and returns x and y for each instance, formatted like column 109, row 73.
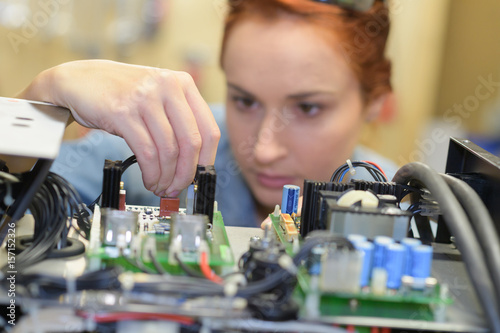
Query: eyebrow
column 309, row 94
column 293, row 96
column 241, row 90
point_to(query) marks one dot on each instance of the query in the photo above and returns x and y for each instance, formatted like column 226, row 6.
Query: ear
column 383, row 108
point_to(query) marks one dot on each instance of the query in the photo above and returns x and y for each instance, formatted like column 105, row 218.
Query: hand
column 159, row 112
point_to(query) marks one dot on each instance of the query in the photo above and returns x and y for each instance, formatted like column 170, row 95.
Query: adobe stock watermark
column 11, row 274
column 32, row 25
column 453, row 116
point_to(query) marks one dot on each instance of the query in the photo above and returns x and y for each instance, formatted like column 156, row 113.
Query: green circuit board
column 220, row 259
column 417, row 305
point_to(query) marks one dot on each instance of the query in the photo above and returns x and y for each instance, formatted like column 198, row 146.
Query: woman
column 300, row 86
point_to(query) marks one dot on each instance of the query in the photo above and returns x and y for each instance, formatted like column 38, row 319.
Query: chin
column 268, row 197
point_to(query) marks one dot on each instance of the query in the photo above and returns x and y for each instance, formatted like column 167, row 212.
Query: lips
column 274, row 181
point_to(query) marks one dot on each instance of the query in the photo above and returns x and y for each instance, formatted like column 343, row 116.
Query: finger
column 134, row 131
column 186, row 133
column 209, row 131
column 266, row 223
column 165, row 142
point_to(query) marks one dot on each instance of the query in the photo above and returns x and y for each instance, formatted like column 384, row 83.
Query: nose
column 271, row 140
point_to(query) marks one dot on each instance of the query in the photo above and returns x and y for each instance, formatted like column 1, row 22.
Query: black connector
column 112, row 174
column 204, row 197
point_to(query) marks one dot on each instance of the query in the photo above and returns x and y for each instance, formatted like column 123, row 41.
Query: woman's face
column 294, row 106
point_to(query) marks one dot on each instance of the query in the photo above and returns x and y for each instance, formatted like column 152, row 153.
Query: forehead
column 287, row 54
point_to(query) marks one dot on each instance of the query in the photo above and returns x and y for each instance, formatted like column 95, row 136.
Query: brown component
column 169, row 206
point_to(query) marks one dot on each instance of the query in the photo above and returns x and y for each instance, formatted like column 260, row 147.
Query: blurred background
column 446, row 59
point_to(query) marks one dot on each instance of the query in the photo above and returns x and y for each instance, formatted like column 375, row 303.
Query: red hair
column 362, row 35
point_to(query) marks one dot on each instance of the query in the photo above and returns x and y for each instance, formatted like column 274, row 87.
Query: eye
column 245, row 103
column 309, row 109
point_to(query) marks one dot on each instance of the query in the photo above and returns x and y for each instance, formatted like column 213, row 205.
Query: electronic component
column 341, row 270
column 204, row 191
column 409, row 243
column 290, row 199
column 188, row 233
column 421, row 259
column 288, row 226
column 366, row 269
column 168, row 206
column 394, row 264
column 315, row 209
column 118, row 227
column 379, row 254
column 123, row 197
column 112, row 174
column 386, row 220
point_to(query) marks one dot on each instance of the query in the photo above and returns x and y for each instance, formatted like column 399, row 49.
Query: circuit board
column 154, row 229
column 427, row 305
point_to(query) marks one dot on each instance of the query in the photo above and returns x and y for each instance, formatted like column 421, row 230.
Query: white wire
column 352, row 170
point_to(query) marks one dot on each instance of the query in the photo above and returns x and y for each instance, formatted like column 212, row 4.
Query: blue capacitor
column 356, row 238
column 409, row 243
column 394, row 264
column 290, row 199
column 421, row 261
column 367, row 249
column 381, row 243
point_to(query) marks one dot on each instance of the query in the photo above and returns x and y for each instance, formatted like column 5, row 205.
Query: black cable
column 50, row 285
column 52, row 204
column 374, row 171
column 128, row 162
column 138, row 264
column 157, row 265
column 188, row 270
column 459, row 225
column 482, row 223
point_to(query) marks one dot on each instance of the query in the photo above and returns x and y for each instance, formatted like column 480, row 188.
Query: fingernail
column 153, row 188
column 173, row 194
column 161, row 194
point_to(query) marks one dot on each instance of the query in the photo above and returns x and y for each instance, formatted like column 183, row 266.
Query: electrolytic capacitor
column 394, row 264
column 290, row 199
column 381, row 243
column 356, row 238
column 421, row 261
column 409, row 243
column 366, row 268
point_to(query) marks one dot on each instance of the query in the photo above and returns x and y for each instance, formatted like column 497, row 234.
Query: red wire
column 119, row 316
column 207, row 271
column 377, row 166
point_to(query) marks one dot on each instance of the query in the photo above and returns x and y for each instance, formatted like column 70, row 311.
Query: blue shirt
column 81, row 163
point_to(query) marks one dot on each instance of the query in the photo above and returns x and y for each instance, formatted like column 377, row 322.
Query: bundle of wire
column 460, row 206
column 52, row 206
column 373, row 169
